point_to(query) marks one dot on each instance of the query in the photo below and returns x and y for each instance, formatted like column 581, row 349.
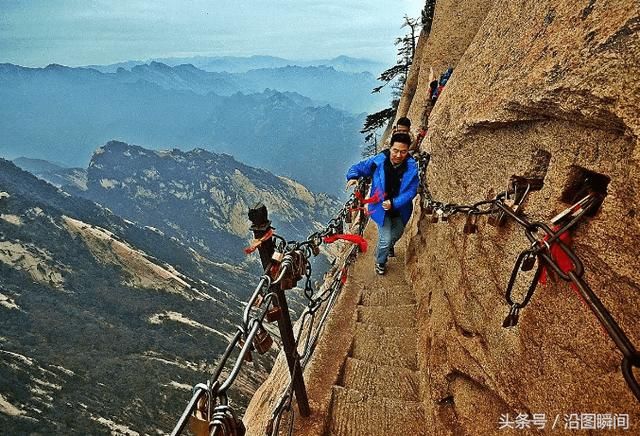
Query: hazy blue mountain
column 348, row 91
column 56, row 174
column 322, row 84
column 237, row 64
column 104, row 322
column 60, row 113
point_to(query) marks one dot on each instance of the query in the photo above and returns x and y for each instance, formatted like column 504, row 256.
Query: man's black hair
column 404, row 121
column 402, row 138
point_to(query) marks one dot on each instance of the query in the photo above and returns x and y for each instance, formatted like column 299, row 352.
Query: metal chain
column 540, row 252
column 221, row 417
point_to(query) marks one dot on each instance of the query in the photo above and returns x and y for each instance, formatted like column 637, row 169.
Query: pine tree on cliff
column 396, row 75
column 427, row 16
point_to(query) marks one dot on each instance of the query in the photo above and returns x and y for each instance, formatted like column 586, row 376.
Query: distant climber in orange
column 394, row 185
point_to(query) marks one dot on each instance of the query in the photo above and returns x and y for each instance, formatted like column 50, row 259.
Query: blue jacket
column 403, row 203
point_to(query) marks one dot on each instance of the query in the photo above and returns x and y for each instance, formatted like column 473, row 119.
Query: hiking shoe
column 392, row 252
column 381, row 268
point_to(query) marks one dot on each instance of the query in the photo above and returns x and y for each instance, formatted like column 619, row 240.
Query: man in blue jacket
column 394, row 185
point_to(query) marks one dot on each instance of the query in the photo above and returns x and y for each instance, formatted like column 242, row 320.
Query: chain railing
column 550, row 250
column 288, row 262
column 285, row 263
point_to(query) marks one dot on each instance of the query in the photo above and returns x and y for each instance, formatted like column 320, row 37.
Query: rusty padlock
column 302, row 265
column 199, row 421
column 470, row 225
column 262, row 341
column 258, row 301
column 287, row 281
column 273, row 314
column 435, row 216
column 428, row 209
column 315, row 249
column 247, row 357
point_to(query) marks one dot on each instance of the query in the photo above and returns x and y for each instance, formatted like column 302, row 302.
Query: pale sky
column 81, row 32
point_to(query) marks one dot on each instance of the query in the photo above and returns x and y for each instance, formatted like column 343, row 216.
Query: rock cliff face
column 561, row 78
column 556, row 79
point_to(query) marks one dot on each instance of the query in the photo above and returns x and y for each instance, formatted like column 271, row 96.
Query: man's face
column 402, row 129
column 398, row 152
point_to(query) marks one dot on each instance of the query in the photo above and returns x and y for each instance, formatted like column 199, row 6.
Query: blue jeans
column 388, row 235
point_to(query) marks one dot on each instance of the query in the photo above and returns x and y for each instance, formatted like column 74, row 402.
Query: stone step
column 393, row 296
column 381, row 380
column 356, row 414
column 393, row 346
column 403, row 315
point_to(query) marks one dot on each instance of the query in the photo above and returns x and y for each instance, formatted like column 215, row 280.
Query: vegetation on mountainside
column 397, row 75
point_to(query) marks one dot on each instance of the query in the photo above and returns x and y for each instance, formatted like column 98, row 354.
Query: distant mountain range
column 237, row 64
column 61, row 114
column 103, row 322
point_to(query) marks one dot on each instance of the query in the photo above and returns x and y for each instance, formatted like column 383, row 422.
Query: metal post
column 258, row 215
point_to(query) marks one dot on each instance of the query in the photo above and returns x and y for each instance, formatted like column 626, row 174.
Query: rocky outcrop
column 155, row 188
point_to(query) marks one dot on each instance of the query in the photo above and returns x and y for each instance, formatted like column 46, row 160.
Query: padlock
column 277, row 256
column 315, row 249
column 287, row 281
column 445, row 216
column 273, row 314
column 529, row 262
column 258, row 301
column 470, row 225
column 198, row 421
column 428, row 209
column 247, row 357
column 262, row 341
column 302, row 265
column 512, row 319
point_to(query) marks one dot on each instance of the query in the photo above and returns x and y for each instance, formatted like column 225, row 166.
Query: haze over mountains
column 237, row 64
column 119, row 291
column 63, row 114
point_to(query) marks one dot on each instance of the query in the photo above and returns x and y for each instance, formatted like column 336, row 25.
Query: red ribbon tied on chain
column 377, row 197
column 355, row 239
column 561, row 258
column 256, row 242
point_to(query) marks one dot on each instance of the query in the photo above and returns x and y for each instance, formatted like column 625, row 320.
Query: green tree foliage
column 427, row 15
column 396, row 75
